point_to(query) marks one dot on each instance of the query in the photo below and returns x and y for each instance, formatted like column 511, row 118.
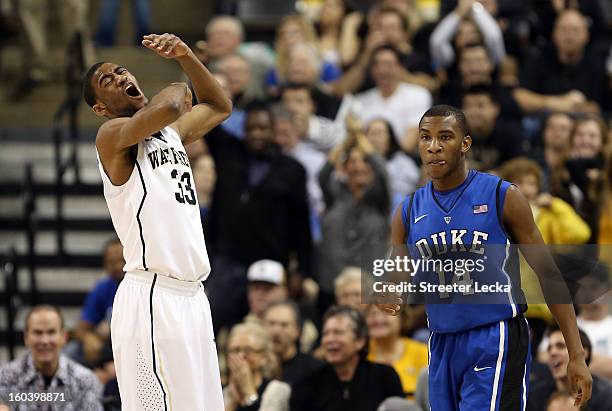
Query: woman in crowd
column 388, row 346
column 253, row 366
column 329, row 24
column 402, row 170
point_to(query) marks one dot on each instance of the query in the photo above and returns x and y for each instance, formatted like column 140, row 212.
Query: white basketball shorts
column 163, row 345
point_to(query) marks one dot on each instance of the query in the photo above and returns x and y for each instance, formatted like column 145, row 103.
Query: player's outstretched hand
column 580, row 381
column 166, row 45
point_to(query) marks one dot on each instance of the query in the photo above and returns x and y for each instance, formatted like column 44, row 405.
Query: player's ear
column 466, row 144
column 100, row 109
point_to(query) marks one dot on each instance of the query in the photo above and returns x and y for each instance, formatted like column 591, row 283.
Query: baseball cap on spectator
column 267, row 271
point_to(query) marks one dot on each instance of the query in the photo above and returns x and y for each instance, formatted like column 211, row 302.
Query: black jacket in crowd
column 268, row 218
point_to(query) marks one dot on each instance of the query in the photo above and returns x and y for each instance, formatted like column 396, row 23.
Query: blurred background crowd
column 318, row 152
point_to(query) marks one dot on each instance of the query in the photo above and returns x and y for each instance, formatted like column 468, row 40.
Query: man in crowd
column 45, row 369
column 347, row 381
column 558, row 358
column 284, row 323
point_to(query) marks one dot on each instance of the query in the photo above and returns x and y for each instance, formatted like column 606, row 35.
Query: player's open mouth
column 132, row 91
column 437, row 162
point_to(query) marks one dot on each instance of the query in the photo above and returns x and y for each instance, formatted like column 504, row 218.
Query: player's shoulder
column 109, row 129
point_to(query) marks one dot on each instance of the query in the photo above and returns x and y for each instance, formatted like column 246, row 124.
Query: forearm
column 491, row 32
column 566, row 318
column 205, row 86
column 440, row 45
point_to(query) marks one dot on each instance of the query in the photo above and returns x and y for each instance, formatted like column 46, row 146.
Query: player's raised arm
column 213, row 105
column 518, row 219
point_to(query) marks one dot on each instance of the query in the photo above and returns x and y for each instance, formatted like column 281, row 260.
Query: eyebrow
column 103, row 76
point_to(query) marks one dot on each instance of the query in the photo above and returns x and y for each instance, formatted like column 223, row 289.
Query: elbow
column 227, row 108
column 173, row 109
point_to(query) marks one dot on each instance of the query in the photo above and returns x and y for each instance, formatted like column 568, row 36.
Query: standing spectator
column 44, row 368
column 387, row 346
column 253, row 368
column 237, row 72
column 453, row 26
column 108, row 18
column 259, row 211
column 33, row 16
column 357, row 209
column 569, row 65
column 401, row 104
column 283, row 323
column 348, row 381
column 225, row 37
column 596, row 321
column 558, row 358
column 494, row 139
column 403, row 172
column 93, row 329
column 555, row 138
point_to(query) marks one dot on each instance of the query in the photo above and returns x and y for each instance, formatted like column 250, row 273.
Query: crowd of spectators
column 321, row 148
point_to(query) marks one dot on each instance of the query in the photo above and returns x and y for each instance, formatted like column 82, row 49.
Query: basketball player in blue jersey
column 161, row 327
column 479, row 353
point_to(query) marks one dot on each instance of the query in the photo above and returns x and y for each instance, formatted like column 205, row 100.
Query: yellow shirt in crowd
column 408, row 366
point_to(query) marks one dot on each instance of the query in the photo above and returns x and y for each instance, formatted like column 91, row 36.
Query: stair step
column 8, row 189
column 76, row 242
column 77, row 207
column 73, row 224
column 90, row 260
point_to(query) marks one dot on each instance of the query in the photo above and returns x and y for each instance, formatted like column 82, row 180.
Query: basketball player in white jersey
column 161, row 326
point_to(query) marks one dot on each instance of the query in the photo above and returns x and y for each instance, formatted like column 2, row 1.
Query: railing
column 30, row 221
column 68, row 112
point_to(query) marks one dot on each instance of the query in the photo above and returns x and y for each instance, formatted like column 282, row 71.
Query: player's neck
column 450, row 181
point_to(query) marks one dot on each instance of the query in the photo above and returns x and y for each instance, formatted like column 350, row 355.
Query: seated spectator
column 259, row 211
column 44, row 368
column 401, row 104
column 266, row 285
column 387, row 346
column 569, row 66
column 556, row 134
column 558, row 358
column 403, row 172
column 494, row 138
column 556, row 219
column 596, row 321
column 293, row 30
column 348, row 381
column 579, row 181
column 347, row 288
column 93, row 328
column 561, row 401
column 253, row 369
column 283, row 322
column 224, row 37
column 357, row 209
column 469, row 22
column 204, row 178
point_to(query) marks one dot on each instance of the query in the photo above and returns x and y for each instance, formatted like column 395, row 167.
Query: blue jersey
column 462, row 230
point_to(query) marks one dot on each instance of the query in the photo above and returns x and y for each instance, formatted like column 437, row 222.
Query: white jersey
column 156, row 212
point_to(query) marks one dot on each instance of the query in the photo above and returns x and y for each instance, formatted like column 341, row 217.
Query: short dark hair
column 44, row 307
column 360, row 328
column 386, row 47
column 257, row 106
column 391, row 10
column 292, row 306
column 584, row 340
column 443, row 110
column 299, row 86
column 89, row 93
column 482, row 89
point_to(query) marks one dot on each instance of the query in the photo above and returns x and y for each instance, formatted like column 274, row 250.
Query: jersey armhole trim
column 406, row 215
column 499, row 206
